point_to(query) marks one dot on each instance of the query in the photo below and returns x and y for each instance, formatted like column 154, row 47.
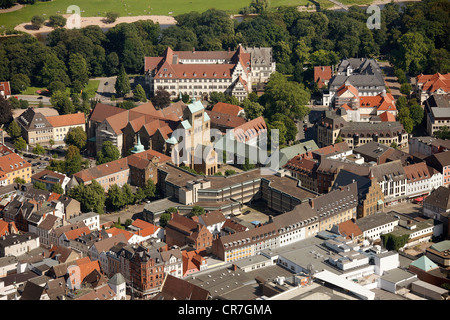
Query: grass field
column 98, row 8
column 90, row 88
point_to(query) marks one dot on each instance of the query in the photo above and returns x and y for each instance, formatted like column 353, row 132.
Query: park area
column 132, row 8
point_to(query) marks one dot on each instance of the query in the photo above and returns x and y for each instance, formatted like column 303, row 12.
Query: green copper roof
column 195, row 106
column 206, row 117
column 172, row 140
column 186, row 124
column 424, row 263
column 441, row 246
column 138, row 147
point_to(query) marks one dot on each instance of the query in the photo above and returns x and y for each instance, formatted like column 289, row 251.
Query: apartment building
column 13, row 166
column 38, row 128
column 437, row 112
column 392, row 179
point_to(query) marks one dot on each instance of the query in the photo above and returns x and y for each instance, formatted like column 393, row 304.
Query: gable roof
column 67, row 120
column 5, row 88
column 227, row 108
column 250, row 129
column 179, row 289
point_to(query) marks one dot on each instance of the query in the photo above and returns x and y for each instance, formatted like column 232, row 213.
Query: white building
column 198, row 73
column 90, row 219
column 373, row 226
column 392, row 180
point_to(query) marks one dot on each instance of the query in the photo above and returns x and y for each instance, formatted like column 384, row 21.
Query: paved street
column 105, row 88
column 33, row 99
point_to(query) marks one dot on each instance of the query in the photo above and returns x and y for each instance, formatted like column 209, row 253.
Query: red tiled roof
column 416, row 172
column 73, row 234
column 345, row 88
column 387, row 117
column 227, row 108
column 321, row 74
column 67, row 120
column 250, row 129
column 433, row 82
column 5, row 87
column 115, row 231
column 12, row 162
column 349, row 228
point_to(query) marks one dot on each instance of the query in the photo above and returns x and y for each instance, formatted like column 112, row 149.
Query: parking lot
column 38, row 163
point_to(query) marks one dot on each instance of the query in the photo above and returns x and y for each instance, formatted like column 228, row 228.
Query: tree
column 442, row 133
column 39, row 185
column 111, row 17
column 252, row 110
column 161, row 99
column 412, row 53
column 128, row 194
column 164, row 219
column 73, row 160
column 197, row 211
column 108, row 153
column 57, row 21
column 38, row 149
column 78, row 69
column 37, row 21
column 122, row 85
column 77, row 137
column 150, row 189
column 56, row 86
column 280, row 126
column 20, row 144
column 248, row 165
column 62, row 103
column 286, row 97
column 291, row 127
column 416, row 112
column 57, row 188
column 19, row 180
column 14, row 130
column 405, row 88
column 115, row 198
column 139, row 94
column 19, row 82
column 5, row 110
column 91, row 196
column 139, row 195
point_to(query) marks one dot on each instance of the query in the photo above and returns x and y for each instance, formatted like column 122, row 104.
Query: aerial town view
column 237, row 153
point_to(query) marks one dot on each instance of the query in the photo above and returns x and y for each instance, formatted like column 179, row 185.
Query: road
column 105, row 88
column 33, row 99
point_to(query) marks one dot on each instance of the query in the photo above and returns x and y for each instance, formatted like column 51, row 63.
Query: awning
column 380, row 202
column 420, row 199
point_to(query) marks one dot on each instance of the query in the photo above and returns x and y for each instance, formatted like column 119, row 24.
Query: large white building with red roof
column 198, row 73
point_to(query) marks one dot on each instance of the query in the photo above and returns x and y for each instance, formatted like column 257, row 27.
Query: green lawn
column 90, row 88
column 91, row 8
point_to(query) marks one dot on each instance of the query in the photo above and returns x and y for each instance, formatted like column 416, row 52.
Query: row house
column 213, row 221
column 374, row 226
column 40, row 129
column 56, row 233
column 421, row 180
column 441, row 163
column 428, row 145
column 337, row 206
column 437, row 206
column 98, row 251
column 18, row 244
column 370, row 195
column 173, row 262
column 193, row 262
column 146, row 272
column 392, row 179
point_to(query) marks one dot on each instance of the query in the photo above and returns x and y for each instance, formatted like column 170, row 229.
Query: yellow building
column 13, row 166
